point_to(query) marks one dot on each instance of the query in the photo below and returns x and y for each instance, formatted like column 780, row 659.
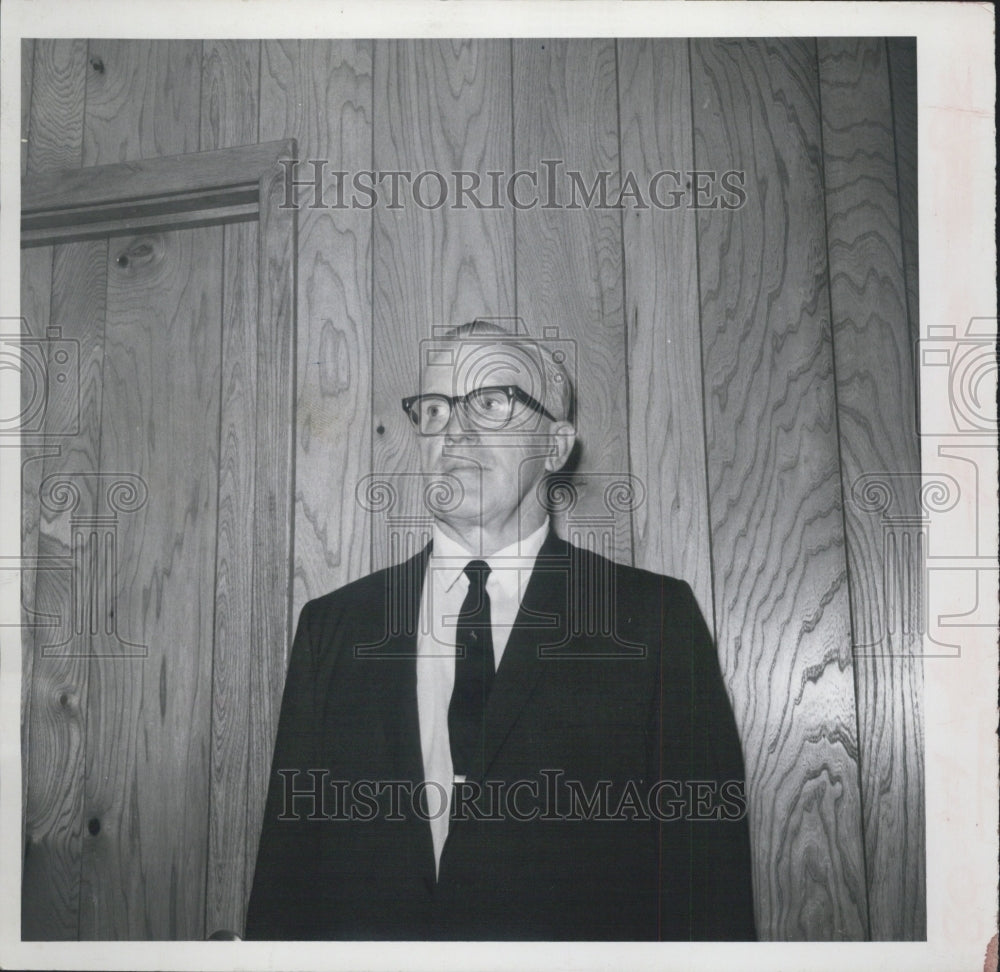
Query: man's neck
column 484, row 540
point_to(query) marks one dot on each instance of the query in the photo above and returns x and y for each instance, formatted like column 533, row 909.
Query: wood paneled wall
column 745, row 366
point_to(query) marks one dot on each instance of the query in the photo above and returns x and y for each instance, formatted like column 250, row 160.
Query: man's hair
column 557, row 377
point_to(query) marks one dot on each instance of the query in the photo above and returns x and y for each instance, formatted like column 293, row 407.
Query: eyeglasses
column 483, row 409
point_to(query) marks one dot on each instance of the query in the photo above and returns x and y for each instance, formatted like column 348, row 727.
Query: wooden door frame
column 172, row 192
column 242, row 184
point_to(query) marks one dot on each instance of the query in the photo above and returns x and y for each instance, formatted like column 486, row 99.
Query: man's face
column 493, row 471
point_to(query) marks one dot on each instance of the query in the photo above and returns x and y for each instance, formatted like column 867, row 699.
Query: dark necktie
column 474, row 671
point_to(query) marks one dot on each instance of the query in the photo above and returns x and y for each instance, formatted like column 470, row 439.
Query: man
column 506, row 736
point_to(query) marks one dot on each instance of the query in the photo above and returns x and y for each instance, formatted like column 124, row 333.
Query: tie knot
column 477, row 571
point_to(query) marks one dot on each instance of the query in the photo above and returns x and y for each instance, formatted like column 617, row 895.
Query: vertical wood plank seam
column 292, row 340
column 260, row 85
column 26, row 632
column 215, row 565
column 701, row 367
column 250, row 675
column 250, row 866
column 899, row 211
column 83, row 139
column 852, row 607
column 25, row 720
column 31, row 98
column 625, row 315
column 215, row 556
column 293, row 418
column 253, row 559
column 260, row 82
column 85, row 699
column 513, row 163
column 201, row 148
column 371, row 309
column 266, row 220
column 704, row 426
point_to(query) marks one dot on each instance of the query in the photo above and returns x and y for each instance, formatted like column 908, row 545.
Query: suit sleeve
column 696, row 723
column 283, row 893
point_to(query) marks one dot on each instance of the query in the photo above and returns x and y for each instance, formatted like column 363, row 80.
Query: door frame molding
column 235, row 185
column 172, row 192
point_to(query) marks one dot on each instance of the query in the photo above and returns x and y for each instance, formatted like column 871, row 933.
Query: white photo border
column 957, row 194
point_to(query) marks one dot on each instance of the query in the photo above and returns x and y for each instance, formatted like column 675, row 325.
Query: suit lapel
column 404, row 584
column 541, row 620
column 400, row 715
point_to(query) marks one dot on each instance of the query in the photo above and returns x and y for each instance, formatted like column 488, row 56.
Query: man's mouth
column 451, row 466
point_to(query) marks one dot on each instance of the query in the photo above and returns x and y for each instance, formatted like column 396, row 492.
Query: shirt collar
column 449, row 557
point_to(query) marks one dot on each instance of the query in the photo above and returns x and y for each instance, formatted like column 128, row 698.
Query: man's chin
column 454, row 496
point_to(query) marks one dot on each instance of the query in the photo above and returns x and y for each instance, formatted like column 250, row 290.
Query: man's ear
column 563, row 436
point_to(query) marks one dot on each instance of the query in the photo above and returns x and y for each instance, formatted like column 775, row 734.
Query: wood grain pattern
column 902, row 52
column 320, row 93
column 569, row 261
column 271, row 619
column 227, row 825
column 440, row 106
column 666, row 417
column 36, row 294
column 774, row 486
column 59, row 687
column 55, row 122
column 230, row 83
column 230, row 93
column 878, row 440
column 148, row 732
column 27, row 71
column 36, row 298
column 227, row 861
column 179, row 800
column 142, row 101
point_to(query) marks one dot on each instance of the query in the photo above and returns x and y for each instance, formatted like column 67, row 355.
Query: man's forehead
column 462, row 365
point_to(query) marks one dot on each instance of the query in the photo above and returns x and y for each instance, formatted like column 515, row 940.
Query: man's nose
column 453, row 430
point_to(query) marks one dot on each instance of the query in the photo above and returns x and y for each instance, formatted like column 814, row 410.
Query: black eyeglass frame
column 513, row 392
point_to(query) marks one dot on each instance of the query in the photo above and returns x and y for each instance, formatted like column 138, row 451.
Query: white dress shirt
column 444, row 590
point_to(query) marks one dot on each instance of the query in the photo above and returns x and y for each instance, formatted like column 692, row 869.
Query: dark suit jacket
column 609, row 683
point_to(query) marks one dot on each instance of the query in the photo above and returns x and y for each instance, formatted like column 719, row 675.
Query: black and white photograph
column 484, row 485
